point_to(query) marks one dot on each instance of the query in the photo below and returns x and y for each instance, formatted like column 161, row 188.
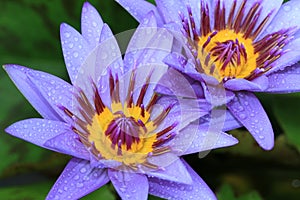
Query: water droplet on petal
column 240, row 108
column 146, row 21
column 287, row 8
column 104, row 55
column 79, row 185
column 76, row 177
column 67, row 34
column 122, row 189
column 83, row 170
column 75, row 54
column 242, row 116
column 261, row 137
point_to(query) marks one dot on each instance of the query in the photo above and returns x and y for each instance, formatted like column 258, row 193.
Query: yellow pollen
column 139, row 148
column 227, row 54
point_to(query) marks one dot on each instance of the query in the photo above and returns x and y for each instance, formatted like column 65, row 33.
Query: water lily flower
column 110, row 119
column 244, row 46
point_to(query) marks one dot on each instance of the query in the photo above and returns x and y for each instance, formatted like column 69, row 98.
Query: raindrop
column 83, row 170
column 75, row 54
column 242, row 116
column 76, row 177
column 261, row 137
column 122, row 189
column 146, row 21
column 104, row 55
column 94, row 24
column 79, row 185
column 287, row 8
column 240, row 108
column 67, row 34
column 104, row 73
column 71, row 45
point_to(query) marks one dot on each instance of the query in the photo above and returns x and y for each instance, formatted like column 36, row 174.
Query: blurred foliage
column 226, row 192
column 29, row 35
column 39, row 191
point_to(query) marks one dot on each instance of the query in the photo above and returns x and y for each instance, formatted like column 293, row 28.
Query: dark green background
column 29, row 35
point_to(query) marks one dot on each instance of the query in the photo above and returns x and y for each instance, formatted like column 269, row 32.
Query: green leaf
column 40, row 190
column 226, row 193
column 286, row 110
column 250, row 196
column 28, row 192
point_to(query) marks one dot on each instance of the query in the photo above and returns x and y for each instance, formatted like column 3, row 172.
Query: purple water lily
column 111, row 120
column 244, row 46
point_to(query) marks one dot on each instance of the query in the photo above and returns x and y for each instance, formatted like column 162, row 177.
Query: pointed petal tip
column 268, row 146
column 16, row 72
column 8, row 67
column 62, row 28
column 62, row 25
column 4, row 67
column 8, row 129
column 87, row 6
column 233, row 141
column 247, row 108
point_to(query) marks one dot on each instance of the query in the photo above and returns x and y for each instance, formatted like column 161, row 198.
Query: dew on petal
column 287, row 8
column 243, row 116
column 83, row 170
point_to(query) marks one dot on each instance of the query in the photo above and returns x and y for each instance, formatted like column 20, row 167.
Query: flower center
column 124, row 135
column 226, row 54
column 231, row 48
column 123, row 132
